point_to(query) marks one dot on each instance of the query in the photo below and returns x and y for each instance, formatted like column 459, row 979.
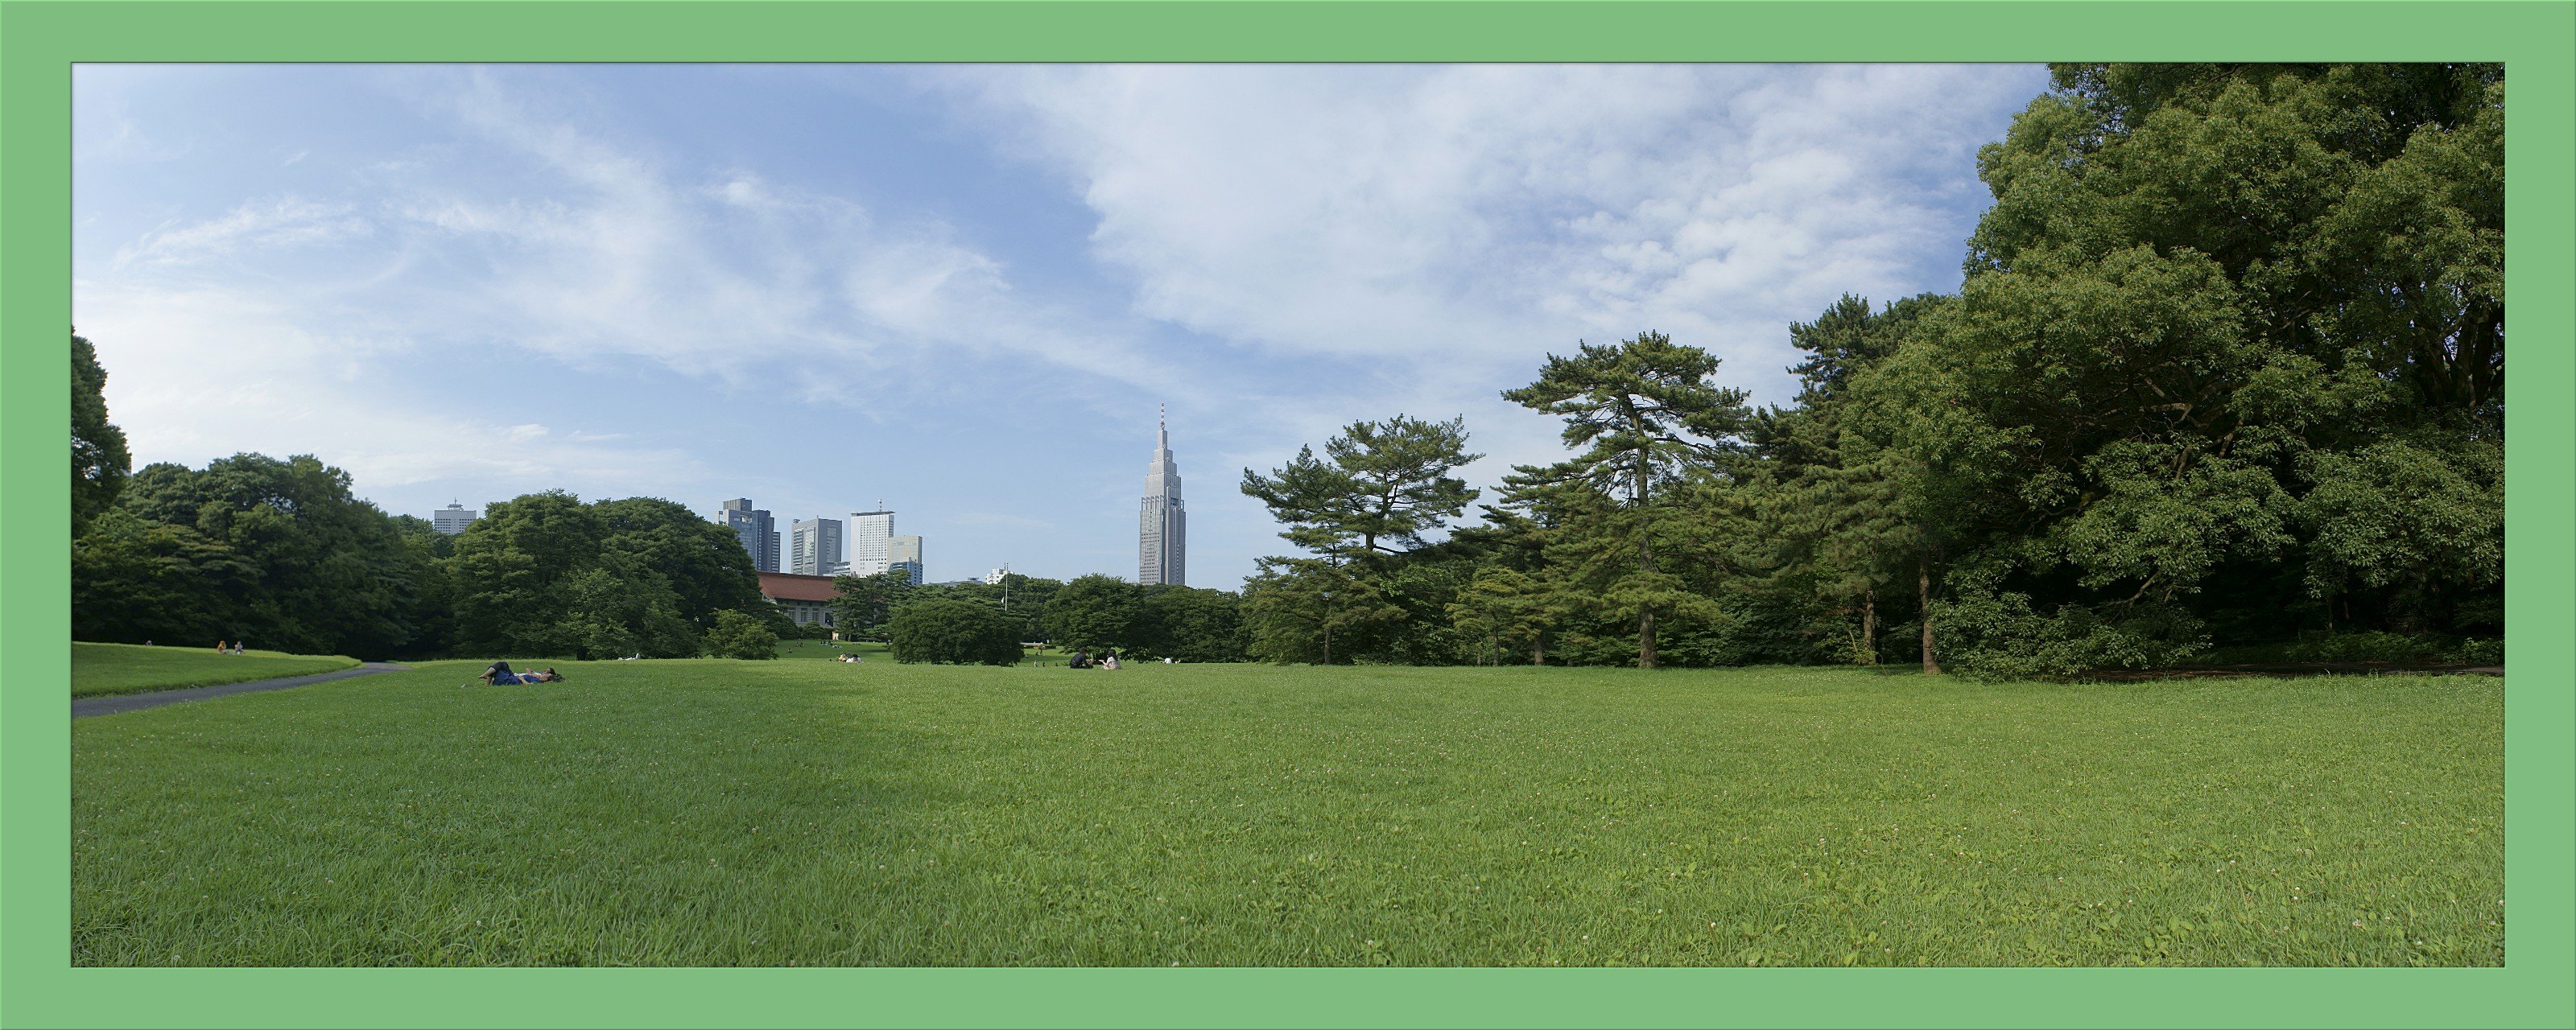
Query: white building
column 454, row 518
column 814, row 546
column 867, row 541
column 994, row 578
column 1162, row 538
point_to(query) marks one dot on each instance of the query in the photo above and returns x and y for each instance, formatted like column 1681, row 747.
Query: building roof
column 788, row 586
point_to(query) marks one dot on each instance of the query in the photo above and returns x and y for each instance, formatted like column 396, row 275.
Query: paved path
column 129, row 702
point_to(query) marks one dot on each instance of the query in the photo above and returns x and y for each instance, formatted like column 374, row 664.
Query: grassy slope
column 99, row 670
column 772, row 813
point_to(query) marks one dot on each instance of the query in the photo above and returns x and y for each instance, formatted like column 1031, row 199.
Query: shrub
column 953, row 632
column 741, row 635
column 2482, row 652
column 2365, row 647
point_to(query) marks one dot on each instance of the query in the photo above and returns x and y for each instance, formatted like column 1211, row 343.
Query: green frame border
column 39, row 40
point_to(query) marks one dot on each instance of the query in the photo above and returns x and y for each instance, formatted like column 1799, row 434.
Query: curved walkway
column 129, row 702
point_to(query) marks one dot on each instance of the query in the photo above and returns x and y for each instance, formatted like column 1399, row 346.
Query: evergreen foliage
column 2226, row 372
column 741, row 635
column 949, row 631
column 99, row 459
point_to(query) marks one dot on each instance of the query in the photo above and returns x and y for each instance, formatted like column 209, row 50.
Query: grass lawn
column 99, row 670
column 781, row 813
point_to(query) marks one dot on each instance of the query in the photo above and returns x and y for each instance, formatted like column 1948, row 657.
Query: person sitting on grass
column 1081, row 660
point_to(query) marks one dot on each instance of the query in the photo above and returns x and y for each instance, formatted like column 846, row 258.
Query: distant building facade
column 904, row 552
column 454, row 518
column 814, row 547
column 805, row 599
column 867, row 541
column 994, row 578
column 758, row 532
column 1162, row 537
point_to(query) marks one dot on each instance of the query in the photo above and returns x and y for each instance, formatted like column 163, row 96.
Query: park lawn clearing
column 794, row 813
column 105, row 670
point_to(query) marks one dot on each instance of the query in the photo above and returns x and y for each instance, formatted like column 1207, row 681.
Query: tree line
column 279, row 552
column 2224, row 379
column 1093, row 613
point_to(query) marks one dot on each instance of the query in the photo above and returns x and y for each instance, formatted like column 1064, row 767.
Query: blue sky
column 963, row 290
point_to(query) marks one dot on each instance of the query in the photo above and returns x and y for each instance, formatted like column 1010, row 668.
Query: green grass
column 100, row 670
column 769, row 813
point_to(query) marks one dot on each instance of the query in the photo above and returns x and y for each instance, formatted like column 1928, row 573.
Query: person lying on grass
column 498, row 674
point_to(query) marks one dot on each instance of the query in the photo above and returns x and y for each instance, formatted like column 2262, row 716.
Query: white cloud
column 274, row 224
column 1457, row 222
column 197, row 374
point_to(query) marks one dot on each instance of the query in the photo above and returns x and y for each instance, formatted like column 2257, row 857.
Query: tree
column 511, row 567
column 741, row 635
column 1645, row 411
column 99, row 460
column 134, row 581
column 703, row 563
column 1190, row 625
column 1093, row 612
column 1315, row 610
column 954, row 632
column 866, row 602
column 331, row 572
column 1511, row 610
column 2218, row 319
column 1380, row 487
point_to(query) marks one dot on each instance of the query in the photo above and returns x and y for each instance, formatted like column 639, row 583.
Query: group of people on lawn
column 1108, row 660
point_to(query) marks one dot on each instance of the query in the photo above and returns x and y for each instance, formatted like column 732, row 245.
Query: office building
column 814, row 547
column 865, row 540
column 757, row 531
column 454, row 518
column 904, row 552
column 1162, row 537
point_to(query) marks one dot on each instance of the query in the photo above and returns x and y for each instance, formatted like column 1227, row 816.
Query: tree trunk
column 1869, row 625
column 1923, row 588
column 1645, row 541
column 1538, row 650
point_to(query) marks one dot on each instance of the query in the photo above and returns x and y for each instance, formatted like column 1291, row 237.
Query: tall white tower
column 1162, row 543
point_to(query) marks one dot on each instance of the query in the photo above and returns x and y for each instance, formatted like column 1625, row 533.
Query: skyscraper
column 814, row 546
column 867, row 540
column 1162, row 543
column 757, row 531
column 904, row 552
column 454, row 518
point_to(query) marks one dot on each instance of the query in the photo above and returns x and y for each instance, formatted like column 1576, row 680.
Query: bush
column 1998, row 636
column 2366, row 647
column 741, row 635
column 954, row 632
column 2482, row 652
